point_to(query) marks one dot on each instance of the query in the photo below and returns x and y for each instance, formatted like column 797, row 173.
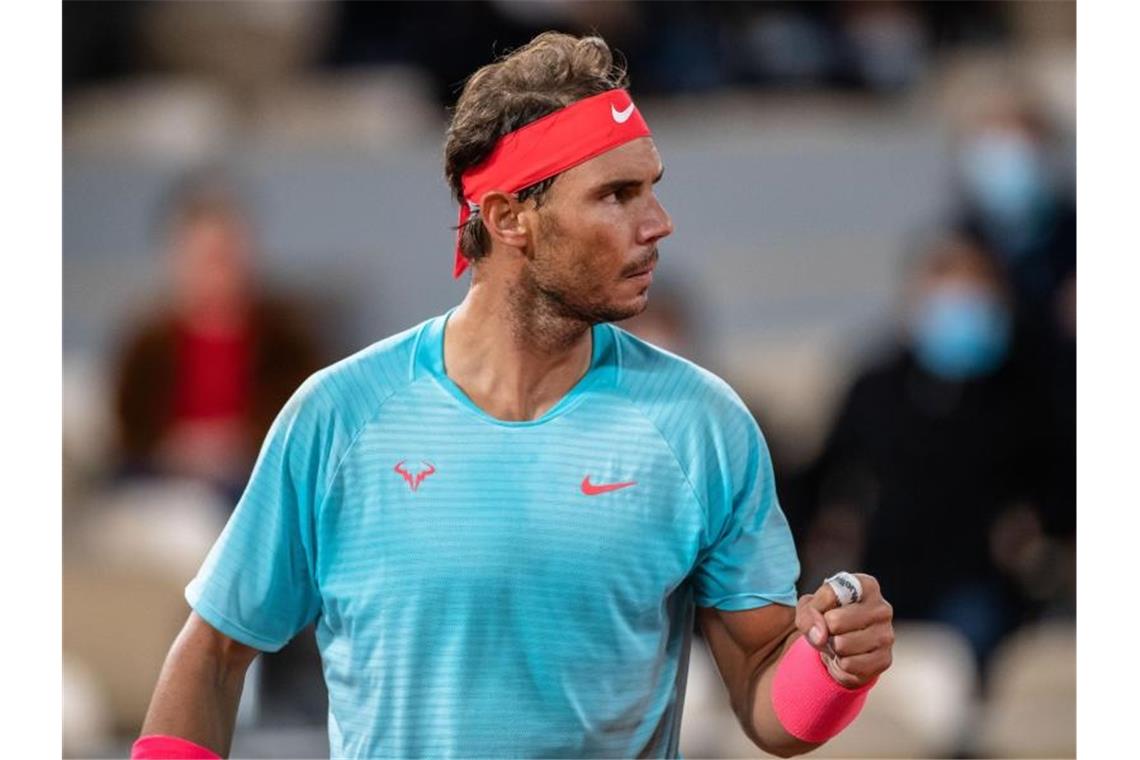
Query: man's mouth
column 646, row 267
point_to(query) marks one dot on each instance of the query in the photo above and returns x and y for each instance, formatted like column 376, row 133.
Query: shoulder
column 672, row 389
column 710, row 431
column 348, row 392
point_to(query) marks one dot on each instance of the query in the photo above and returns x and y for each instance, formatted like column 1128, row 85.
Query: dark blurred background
column 875, row 244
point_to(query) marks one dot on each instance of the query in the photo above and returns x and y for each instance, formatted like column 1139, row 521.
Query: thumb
column 824, row 598
column 810, row 621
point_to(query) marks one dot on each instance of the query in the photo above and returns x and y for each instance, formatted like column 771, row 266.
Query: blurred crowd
column 947, row 469
column 950, row 469
column 673, row 46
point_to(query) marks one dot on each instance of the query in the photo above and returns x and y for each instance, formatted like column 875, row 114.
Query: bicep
column 199, row 639
column 200, row 686
column 743, row 643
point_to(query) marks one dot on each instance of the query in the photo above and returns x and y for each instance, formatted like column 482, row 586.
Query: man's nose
column 657, row 225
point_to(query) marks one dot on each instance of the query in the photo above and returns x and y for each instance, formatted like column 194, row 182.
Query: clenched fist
column 854, row 640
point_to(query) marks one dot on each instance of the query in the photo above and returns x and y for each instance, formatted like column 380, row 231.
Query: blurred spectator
column 1017, row 198
column 886, row 43
column 198, row 382
column 936, row 471
column 1015, row 202
column 677, row 47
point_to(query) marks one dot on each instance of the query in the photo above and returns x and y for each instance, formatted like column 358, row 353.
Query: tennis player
column 504, row 520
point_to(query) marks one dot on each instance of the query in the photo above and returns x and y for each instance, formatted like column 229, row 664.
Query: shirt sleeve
column 257, row 584
column 751, row 561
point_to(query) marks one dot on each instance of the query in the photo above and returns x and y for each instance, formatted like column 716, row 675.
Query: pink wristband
column 810, row 704
column 159, row 747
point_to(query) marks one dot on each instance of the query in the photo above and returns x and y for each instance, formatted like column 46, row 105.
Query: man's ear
column 503, row 219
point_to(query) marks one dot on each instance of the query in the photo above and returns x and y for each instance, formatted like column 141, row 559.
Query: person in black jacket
column 936, row 474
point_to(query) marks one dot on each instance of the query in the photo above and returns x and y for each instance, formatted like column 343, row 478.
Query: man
column 504, row 519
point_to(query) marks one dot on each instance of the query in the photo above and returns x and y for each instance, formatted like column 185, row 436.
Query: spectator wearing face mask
column 934, row 471
column 1013, row 199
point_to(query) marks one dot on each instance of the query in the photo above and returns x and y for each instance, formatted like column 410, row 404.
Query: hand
column 854, row 641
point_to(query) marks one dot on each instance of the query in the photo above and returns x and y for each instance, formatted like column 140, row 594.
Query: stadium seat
column 121, row 623
column 929, row 660
column 1031, row 708
column 123, row 581
column 86, row 712
column 374, row 109
column 166, row 119
column 921, row 706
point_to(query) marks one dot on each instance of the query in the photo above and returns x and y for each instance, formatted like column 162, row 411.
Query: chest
column 600, row 518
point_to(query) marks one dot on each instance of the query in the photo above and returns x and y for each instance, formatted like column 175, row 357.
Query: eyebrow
column 619, row 184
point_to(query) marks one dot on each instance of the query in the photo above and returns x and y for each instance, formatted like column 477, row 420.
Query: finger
column 855, row 617
column 811, row 622
column 824, row 599
column 877, row 636
column 865, row 666
column 870, row 586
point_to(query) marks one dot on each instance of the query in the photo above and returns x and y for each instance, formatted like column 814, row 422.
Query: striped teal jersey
column 506, row 589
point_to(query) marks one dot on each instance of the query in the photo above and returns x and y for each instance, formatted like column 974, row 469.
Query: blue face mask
column 1005, row 175
column 960, row 333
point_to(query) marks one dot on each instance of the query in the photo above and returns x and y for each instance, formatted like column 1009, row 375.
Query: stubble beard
column 566, row 298
column 561, row 304
column 553, row 315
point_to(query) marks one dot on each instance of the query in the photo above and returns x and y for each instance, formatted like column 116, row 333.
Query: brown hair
column 550, row 72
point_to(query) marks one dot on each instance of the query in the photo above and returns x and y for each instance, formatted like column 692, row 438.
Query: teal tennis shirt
column 501, row 589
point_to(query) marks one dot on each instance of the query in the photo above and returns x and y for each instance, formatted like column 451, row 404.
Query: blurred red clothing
column 214, row 374
column 171, row 385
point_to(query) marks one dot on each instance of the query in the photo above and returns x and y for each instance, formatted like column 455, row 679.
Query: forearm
column 197, row 694
column 763, row 725
column 787, row 698
column 808, row 700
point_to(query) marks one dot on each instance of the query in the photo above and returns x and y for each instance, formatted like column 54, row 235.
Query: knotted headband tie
column 549, row 146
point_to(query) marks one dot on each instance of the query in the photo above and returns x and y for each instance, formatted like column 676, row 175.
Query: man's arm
column 198, row 691
column 748, row 647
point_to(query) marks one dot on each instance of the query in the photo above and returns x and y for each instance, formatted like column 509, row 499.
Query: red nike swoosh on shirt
column 590, row 489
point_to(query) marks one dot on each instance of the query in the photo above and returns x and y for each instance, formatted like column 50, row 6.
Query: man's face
column 595, row 242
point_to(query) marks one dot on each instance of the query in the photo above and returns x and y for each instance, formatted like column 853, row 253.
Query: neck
column 512, row 353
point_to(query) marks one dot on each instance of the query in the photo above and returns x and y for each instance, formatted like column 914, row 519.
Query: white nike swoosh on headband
column 621, row 117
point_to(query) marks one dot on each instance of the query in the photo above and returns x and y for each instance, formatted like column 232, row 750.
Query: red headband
column 549, row 146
